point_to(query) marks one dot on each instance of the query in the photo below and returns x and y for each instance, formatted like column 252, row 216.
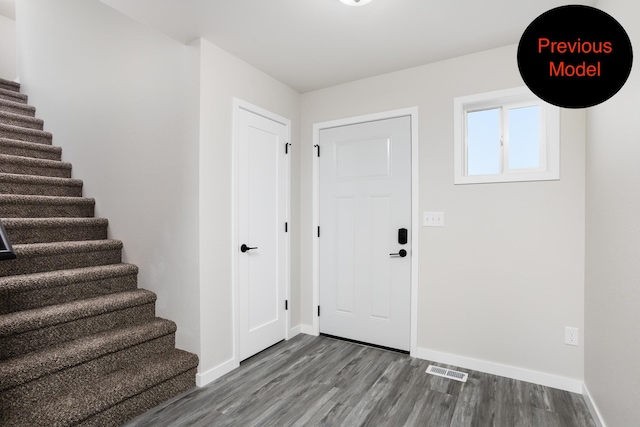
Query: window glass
column 524, row 138
column 483, row 142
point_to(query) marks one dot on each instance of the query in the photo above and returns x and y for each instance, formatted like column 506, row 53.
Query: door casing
column 238, row 105
column 411, row 112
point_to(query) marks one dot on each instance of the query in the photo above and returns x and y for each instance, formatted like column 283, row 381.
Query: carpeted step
column 39, row 257
column 27, row 122
column 39, row 185
column 23, row 134
column 17, row 108
column 14, row 147
column 105, row 402
column 11, row 95
column 46, row 230
column 20, row 206
column 136, row 405
column 9, row 85
column 39, row 376
column 28, row 166
column 29, row 291
column 31, row 330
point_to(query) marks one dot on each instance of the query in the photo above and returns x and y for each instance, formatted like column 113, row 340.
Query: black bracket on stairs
column 6, row 251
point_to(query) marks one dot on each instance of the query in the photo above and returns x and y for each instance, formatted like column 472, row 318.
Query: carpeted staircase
column 79, row 343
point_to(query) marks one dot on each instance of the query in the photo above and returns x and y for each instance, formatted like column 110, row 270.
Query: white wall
column 222, row 77
column 7, row 48
column 612, row 308
column 511, row 254
column 122, row 101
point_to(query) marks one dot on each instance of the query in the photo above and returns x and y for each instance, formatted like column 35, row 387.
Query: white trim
column 595, row 413
column 521, row 374
column 213, row 374
column 239, row 104
column 296, row 330
column 412, row 112
column 308, row 330
column 509, row 98
column 415, row 228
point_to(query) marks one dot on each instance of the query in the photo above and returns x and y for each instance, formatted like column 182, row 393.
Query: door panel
column 365, row 197
column 345, row 256
column 262, row 214
column 380, row 214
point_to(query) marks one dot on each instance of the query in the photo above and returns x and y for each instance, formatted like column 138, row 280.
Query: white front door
column 262, row 250
column 365, row 200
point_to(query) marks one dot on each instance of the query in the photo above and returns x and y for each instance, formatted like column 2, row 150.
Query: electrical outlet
column 571, row 336
column 433, row 219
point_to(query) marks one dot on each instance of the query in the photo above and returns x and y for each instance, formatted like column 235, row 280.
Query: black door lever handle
column 402, row 253
column 244, row 248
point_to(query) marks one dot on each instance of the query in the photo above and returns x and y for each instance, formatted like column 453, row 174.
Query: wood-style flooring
column 320, row 381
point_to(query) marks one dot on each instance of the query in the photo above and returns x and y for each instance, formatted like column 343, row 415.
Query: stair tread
column 18, row 105
column 52, row 200
column 30, row 366
column 29, row 131
column 31, row 161
column 11, row 83
column 30, row 145
column 20, row 117
column 50, row 279
column 53, row 222
column 28, row 320
column 38, row 179
column 95, row 397
column 13, row 94
column 34, row 249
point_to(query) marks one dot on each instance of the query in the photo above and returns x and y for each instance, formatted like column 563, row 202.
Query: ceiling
column 312, row 44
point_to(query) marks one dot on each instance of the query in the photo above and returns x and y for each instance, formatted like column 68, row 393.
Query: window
column 505, row 136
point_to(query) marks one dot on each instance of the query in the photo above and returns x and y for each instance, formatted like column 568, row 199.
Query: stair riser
column 40, row 189
column 12, row 97
column 20, row 400
column 137, row 405
column 13, row 150
column 21, row 168
column 16, row 121
column 36, row 234
column 9, row 87
column 23, row 343
column 18, row 301
column 38, row 139
column 41, row 210
column 57, row 261
column 28, row 112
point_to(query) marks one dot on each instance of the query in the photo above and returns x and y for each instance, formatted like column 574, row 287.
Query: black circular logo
column 575, row 56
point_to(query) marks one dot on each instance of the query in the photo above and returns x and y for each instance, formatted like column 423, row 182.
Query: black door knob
column 244, row 248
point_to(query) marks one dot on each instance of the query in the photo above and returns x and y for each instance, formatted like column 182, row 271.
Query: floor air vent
column 447, row 373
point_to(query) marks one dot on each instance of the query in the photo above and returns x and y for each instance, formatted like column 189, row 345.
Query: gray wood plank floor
column 319, row 381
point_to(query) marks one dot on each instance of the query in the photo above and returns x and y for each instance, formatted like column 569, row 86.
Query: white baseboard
column 521, row 374
column 296, row 330
column 307, row 329
column 213, row 374
column 595, row 413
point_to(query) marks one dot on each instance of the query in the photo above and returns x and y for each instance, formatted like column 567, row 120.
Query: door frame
column 411, row 112
column 239, row 105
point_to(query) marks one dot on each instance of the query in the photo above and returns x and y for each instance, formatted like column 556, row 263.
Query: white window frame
column 505, row 100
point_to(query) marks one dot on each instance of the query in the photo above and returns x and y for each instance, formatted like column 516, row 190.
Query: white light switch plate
column 433, row 219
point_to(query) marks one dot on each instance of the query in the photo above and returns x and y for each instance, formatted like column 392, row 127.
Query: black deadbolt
column 402, row 236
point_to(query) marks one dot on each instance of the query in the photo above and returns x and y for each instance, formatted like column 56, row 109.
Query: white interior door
column 365, row 199
column 262, row 251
